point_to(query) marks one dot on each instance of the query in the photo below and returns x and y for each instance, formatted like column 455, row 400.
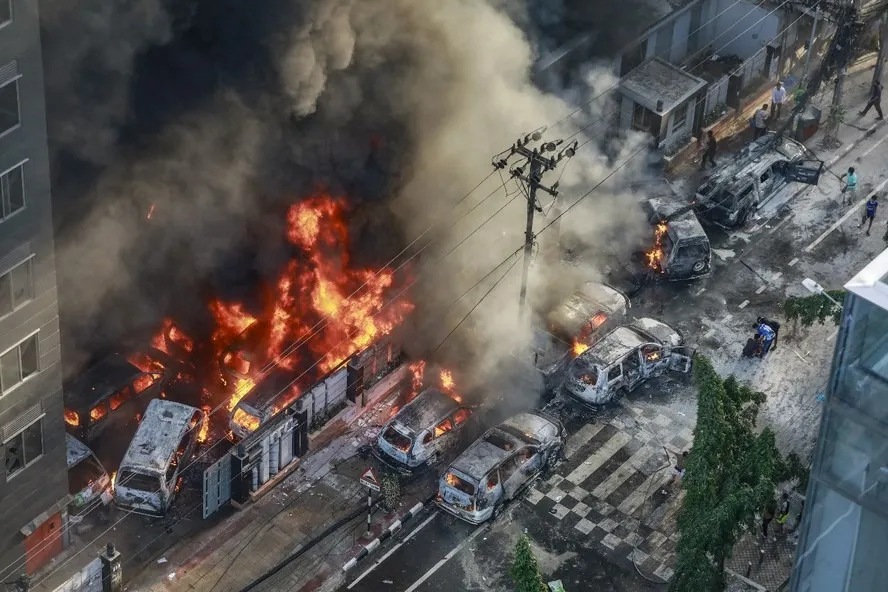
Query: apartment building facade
column 844, row 531
column 33, row 476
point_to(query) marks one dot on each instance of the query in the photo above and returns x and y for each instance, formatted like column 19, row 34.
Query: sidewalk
column 324, row 490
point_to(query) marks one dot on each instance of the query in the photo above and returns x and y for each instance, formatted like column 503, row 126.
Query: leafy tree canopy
column 732, row 473
column 525, row 570
column 817, row 307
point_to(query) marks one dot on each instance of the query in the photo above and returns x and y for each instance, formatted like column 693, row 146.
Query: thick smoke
column 221, row 114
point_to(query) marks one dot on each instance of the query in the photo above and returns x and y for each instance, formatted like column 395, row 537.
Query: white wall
column 672, row 133
column 680, row 38
column 743, row 29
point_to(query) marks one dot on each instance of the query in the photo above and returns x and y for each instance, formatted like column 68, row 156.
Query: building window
column 23, row 449
column 9, row 106
column 663, row 47
column 16, row 287
column 642, row 118
column 18, row 364
column 5, row 12
column 12, row 191
column 681, row 118
column 633, row 58
column 694, row 28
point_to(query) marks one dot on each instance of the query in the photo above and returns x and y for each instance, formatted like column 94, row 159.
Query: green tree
column 732, row 472
column 817, row 307
column 525, row 570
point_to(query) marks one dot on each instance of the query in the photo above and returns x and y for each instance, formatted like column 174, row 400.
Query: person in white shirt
column 778, row 97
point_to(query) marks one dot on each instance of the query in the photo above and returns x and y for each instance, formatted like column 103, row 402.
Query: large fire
column 322, row 311
column 72, row 418
column 586, row 336
column 654, row 255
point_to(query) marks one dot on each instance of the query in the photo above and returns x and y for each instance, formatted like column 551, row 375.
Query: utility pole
column 811, row 41
column 883, row 46
column 846, row 25
column 536, row 164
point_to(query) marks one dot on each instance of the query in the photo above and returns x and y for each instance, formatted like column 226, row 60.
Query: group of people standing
column 764, row 340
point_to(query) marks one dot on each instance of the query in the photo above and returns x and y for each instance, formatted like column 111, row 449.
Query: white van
column 147, row 481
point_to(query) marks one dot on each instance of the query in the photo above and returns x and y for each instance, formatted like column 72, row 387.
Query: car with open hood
column 624, row 359
column 87, row 478
column 499, row 466
column 761, row 173
column 576, row 323
column 423, row 430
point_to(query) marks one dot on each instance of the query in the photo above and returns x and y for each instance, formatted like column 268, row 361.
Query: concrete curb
column 386, row 534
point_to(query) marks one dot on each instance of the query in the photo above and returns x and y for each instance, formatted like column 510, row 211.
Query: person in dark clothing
column 875, row 100
column 709, row 154
column 767, row 516
column 775, row 327
column 870, row 213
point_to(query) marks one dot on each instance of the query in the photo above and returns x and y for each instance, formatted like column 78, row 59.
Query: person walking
column 767, row 335
column 870, row 213
column 760, row 122
column 678, row 471
column 875, row 100
column 783, row 512
column 778, row 97
column 849, row 191
column 709, row 153
column 767, row 516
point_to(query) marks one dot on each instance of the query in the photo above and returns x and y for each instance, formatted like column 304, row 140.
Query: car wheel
column 699, row 266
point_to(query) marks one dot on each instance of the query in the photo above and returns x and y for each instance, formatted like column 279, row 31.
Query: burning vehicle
column 114, row 392
column 422, row 430
column 576, row 324
column 87, row 478
column 499, row 465
column 623, row 359
column 150, row 474
column 273, row 392
column 761, row 173
column 681, row 247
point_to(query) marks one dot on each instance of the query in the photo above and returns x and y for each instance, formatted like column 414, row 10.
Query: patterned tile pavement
column 613, row 487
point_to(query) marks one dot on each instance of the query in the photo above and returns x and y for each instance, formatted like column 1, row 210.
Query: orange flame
column 245, row 420
column 143, row 382
column 144, row 362
column 448, row 385
column 578, row 348
column 204, row 425
column 113, row 480
column 654, row 255
column 72, row 418
column 231, row 320
column 171, row 333
column 417, row 371
column 151, row 209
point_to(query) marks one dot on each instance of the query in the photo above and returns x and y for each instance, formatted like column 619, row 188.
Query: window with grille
column 16, row 287
column 12, row 188
column 23, row 448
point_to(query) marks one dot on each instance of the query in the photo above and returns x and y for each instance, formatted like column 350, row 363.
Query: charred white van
column 499, row 466
column 624, row 359
column 148, row 478
column 422, row 430
column 87, row 478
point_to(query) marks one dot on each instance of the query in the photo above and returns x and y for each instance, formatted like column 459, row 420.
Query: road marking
column 833, row 336
column 581, row 438
column 601, row 456
column 744, row 303
column 700, row 291
column 794, row 261
column 844, row 218
column 709, row 333
column 728, row 318
column 624, row 471
column 447, row 558
column 392, row 550
column 760, row 290
column 782, row 222
column 873, row 147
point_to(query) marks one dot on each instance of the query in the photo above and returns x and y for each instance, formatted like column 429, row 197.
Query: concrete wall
column 88, row 579
column 743, row 29
column 674, row 134
column 29, row 233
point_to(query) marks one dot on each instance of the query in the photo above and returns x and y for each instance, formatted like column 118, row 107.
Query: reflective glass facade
column 844, row 534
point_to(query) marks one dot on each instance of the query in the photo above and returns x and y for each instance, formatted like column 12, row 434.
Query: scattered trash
column 162, row 560
column 387, row 582
column 172, row 576
column 556, row 586
column 821, row 397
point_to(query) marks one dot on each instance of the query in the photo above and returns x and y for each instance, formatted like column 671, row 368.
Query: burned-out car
column 423, row 430
column 114, row 392
column 576, row 323
column 500, row 465
column 271, row 393
column 150, row 473
column 624, row 359
column 681, row 247
column 87, row 478
column 760, row 173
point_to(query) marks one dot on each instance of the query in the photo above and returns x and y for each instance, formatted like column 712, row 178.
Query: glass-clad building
column 843, row 543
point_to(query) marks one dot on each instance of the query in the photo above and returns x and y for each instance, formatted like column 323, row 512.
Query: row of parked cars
column 592, row 356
